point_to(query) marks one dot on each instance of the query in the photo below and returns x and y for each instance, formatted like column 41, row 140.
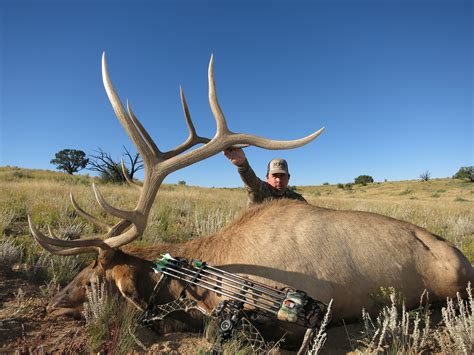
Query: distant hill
column 435, row 190
column 13, row 173
column 432, row 190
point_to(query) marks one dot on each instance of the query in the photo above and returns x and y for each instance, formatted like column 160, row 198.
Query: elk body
column 342, row 255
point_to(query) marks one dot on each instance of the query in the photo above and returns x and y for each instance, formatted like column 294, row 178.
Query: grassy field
column 443, row 206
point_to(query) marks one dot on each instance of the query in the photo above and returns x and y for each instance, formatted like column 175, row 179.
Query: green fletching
column 197, row 263
column 161, row 264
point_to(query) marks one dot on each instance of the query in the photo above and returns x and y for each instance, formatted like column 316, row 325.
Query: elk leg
column 128, row 290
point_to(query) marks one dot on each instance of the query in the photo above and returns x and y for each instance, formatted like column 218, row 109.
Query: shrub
column 9, row 254
column 347, row 186
column 457, row 335
column 182, row 182
column 394, row 332
column 425, row 176
column 71, row 231
column 110, row 331
column 21, row 175
column 465, row 173
column 411, row 333
column 363, row 180
column 7, row 216
column 57, row 269
column 407, row 191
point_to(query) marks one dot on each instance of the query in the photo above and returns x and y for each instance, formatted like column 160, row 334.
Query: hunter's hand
column 236, row 156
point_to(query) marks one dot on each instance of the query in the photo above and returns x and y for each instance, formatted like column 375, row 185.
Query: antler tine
column 125, row 215
column 127, row 176
column 225, row 138
column 270, row 144
column 118, row 228
column 66, row 252
column 104, row 226
column 137, row 217
column 193, row 139
column 216, row 109
column 75, row 246
column 51, row 234
column 147, row 138
column 124, row 118
column 112, row 231
column 187, row 116
column 231, row 139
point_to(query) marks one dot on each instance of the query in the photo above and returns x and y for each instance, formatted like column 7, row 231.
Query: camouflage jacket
column 258, row 190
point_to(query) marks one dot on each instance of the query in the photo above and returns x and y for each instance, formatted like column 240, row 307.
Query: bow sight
column 242, row 294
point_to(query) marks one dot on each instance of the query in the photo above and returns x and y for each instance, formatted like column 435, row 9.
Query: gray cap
column 277, row 166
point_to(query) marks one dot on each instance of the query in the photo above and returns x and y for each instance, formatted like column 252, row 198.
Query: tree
column 111, row 170
column 465, row 173
column 363, row 179
column 70, row 160
column 425, row 176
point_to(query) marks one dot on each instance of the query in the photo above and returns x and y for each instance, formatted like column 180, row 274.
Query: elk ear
column 105, row 258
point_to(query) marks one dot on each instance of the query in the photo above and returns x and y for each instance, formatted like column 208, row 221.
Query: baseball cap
column 277, row 166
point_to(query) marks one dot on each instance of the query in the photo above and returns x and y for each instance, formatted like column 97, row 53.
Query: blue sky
column 392, row 82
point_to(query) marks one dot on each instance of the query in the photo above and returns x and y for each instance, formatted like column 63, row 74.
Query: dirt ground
column 26, row 328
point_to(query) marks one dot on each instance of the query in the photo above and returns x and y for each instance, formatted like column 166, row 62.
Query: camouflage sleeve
column 301, row 198
column 255, row 187
column 295, row 196
column 251, row 181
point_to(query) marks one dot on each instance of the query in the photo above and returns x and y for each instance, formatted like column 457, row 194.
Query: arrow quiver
column 243, row 295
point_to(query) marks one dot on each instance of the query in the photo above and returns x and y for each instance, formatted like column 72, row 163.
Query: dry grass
column 457, row 334
column 9, row 254
column 110, row 332
column 319, row 339
column 399, row 331
column 443, row 206
column 20, row 306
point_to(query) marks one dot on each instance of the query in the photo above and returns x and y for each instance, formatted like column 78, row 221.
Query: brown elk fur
column 342, row 255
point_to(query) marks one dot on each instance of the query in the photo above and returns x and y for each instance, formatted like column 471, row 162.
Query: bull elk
column 342, row 255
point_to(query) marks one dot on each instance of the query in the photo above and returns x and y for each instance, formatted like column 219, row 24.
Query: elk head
column 131, row 274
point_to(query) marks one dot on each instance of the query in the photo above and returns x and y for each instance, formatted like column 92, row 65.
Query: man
column 276, row 185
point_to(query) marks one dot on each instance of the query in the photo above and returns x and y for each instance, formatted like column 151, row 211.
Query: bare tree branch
column 111, row 170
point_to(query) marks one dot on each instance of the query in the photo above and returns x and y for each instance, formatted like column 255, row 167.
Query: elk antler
column 157, row 166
